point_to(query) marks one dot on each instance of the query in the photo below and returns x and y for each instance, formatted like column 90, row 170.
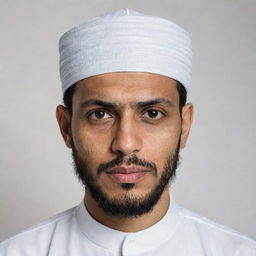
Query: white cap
column 125, row 40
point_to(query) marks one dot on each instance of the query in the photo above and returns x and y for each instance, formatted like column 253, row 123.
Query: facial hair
column 126, row 206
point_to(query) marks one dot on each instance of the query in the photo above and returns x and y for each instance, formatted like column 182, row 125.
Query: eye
column 99, row 114
column 154, row 114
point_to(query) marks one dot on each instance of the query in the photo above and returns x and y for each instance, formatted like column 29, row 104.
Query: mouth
column 127, row 175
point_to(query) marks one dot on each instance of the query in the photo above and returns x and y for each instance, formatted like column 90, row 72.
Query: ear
column 187, row 118
column 64, row 120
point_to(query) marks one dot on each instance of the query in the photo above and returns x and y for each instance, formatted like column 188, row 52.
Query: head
column 132, row 122
column 126, row 116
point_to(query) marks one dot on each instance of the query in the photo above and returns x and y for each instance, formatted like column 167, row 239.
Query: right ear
column 64, row 120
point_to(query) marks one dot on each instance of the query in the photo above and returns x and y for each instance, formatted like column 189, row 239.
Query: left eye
column 154, row 114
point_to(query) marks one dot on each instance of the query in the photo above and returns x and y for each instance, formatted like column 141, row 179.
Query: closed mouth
column 127, row 175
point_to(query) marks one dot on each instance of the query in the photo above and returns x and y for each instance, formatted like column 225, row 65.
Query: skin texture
column 150, row 132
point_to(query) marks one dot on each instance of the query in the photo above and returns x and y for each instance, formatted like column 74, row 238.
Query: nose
column 127, row 138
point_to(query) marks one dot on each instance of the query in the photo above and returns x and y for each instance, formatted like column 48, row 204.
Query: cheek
column 159, row 145
column 90, row 144
column 164, row 135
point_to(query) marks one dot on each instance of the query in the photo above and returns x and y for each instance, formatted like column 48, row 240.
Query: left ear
column 187, row 118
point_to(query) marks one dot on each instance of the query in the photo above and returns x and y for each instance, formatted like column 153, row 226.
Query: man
column 124, row 79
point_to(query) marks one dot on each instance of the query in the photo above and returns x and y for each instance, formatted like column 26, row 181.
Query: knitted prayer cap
column 125, row 40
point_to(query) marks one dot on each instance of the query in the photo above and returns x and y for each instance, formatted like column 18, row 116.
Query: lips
column 127, row 175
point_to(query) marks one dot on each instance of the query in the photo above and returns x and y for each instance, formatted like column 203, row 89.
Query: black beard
column 126, row 206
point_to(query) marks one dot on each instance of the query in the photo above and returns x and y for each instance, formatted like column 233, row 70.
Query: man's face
column 126, row 131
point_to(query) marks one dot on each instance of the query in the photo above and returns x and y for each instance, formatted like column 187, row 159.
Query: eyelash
column 106, row 112
column 158, row 111
column 94, row 111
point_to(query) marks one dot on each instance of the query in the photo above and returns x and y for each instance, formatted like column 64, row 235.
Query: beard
column 126, row 205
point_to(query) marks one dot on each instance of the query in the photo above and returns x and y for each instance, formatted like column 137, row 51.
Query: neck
column 129, row 224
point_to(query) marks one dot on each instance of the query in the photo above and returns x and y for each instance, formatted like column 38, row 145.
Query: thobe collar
column 114, row 240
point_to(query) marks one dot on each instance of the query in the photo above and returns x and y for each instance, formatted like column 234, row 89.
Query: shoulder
column 37, row 238
column 217, row 237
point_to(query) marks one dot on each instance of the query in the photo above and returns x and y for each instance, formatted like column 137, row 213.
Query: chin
column 131, row 190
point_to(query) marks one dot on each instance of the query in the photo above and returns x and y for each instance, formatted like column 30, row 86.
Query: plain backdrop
column 217, row 175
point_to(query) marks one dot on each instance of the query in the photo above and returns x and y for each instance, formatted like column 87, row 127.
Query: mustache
column 133, row 159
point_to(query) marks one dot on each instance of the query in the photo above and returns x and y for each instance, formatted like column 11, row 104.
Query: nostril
column 119, row 153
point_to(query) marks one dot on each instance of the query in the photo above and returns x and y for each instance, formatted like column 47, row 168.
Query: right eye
column 99, row 114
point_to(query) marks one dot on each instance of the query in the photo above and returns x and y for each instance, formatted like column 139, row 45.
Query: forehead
column 126, row 86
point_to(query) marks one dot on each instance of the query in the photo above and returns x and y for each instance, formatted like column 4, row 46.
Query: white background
column 217, row 174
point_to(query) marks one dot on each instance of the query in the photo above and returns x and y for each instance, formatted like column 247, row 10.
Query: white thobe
column 179, row 233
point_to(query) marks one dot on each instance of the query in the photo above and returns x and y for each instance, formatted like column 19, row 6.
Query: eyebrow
column 101, row 103
column 162, row 101
column 141, row 104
